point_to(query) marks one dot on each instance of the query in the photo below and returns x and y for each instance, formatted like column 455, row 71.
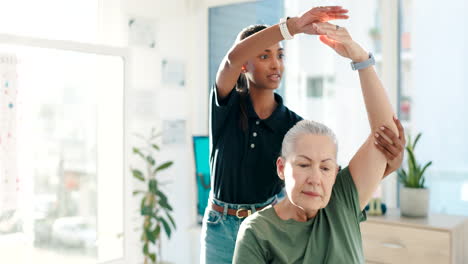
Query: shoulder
column 226, row 101
column 344, row 180
column 345, row 174
column 252, row 241
column 260, row 217
column 292, row 116
column 345, row 193
column 287, row 113
column 259, row 221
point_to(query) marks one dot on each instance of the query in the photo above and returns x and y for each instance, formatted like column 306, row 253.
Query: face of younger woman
column 266, row 69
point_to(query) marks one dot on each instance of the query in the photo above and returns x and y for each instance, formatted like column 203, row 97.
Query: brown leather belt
column 241, row 212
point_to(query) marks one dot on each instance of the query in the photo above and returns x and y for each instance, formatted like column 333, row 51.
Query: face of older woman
column 309, row 171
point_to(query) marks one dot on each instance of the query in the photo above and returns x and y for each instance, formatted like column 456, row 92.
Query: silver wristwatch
column 364, row 64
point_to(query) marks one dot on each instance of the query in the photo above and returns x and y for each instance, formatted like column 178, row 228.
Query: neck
column 263, row 101
column 286, row 210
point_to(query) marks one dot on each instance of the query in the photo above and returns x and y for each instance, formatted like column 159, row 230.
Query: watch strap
column 363, row 64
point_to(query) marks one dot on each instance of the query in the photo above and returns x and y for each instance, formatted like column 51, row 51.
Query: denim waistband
column 246, row 206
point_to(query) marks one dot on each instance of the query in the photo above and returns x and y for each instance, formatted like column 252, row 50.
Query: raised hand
column 339, row 39
column 391, row 146
column 304, row 23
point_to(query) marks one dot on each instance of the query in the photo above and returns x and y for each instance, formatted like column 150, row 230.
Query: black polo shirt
column 243, row 163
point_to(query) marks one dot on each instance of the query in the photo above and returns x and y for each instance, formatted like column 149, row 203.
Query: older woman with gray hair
column 318, row 221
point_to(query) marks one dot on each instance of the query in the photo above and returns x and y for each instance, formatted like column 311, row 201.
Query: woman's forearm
column 257, row 43
column 379, row 109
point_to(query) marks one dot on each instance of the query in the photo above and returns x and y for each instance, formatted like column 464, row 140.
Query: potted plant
column 414, row 196
column 154, row 206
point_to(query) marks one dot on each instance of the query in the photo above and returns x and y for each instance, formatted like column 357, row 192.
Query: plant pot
column 414, row 202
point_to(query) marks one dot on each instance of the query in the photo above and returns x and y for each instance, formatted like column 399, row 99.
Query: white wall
column 170, row 103
column 440, row 84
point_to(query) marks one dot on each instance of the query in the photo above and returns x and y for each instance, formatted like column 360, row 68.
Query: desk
column 395, row 239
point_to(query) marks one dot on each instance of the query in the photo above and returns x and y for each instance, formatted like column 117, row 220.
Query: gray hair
column 302, row 128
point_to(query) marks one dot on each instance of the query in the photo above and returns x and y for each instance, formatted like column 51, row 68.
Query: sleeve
column 345, row 192
column 219, row 109
column 247, row 249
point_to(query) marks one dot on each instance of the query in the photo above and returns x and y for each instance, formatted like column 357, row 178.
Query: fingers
column 329, row 42
column 336, row 16
column 327, row 13
column 335, row 9
column 388, row 154
column 325, row 26
column 325, row 29
column 401, row 130
column 331, row 30
column 393, row 148
column 334, row 36
column 389, row 133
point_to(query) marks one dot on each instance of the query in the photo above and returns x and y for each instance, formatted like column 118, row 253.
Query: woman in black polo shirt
column 247, row 124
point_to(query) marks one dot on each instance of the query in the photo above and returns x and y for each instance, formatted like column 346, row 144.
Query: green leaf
column 137, row 192
column 163, row 166
column 152, row 257
column 163, row 202
column 156, row 147
column 411, row 161
column 171, row 219
column 150, row 160
column 161, row 195
column 415, row 174
column 403, row 176
column 138, row 174
column 142, row 203
column 138, row 152
column 150, row 236
column 157, row 231
column 416, row 140
column 145, row 249
column 146, row 210
column 153, row 186
column 421, row 173
column 167, row 228
column 425, row 167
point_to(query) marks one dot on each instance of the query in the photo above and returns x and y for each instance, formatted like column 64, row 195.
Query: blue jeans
column 219, row 231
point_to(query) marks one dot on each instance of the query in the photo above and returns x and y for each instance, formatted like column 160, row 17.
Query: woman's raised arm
column 368, row 165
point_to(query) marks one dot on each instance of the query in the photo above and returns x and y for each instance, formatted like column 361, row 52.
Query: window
column 432, row 100
column 86, row 21
column 61, row 155
column 315, row 87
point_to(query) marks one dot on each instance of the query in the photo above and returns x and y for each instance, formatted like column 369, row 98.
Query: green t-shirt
column 332, row 236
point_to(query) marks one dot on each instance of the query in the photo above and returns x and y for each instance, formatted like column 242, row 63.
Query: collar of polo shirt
column 274, row 120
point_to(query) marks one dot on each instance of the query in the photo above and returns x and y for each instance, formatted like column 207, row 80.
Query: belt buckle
column 249, row 212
